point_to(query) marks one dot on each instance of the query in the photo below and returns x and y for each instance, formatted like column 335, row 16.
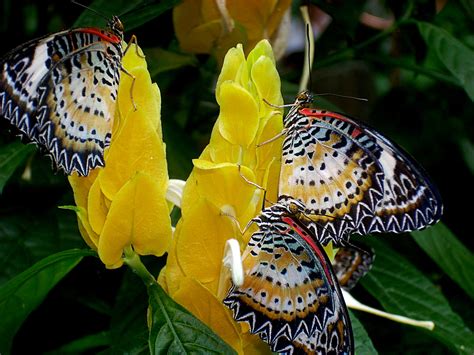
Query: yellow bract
column 217, row 200
column 123, row 204
column 214, row 26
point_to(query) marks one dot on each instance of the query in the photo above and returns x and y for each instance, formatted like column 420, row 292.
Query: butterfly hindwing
column 290, row 296
column 351, row 263
column 60, row 92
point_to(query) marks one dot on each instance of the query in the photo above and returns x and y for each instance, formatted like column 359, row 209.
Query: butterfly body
column 60, row 92
column 290, row 296
column 350, row 179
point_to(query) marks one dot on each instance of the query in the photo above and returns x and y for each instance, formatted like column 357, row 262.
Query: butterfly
column 341, row 177
column 351, row 263
column 60, row 90
column 290, row 296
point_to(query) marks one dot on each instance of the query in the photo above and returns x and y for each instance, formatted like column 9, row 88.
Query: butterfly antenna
column 277, row 106
column 309, row 50
column 308, row 34
column 90, row 9
column 343, row 96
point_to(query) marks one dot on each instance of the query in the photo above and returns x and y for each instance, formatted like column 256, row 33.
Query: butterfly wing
column 290, row 296
column 336, row 179
column 392, row 192
column 60, row 92
column 351, row 263
column 410, row 200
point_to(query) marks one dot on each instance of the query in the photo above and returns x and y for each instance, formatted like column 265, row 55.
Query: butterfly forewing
column 60, row 92
column 348, row 178
column 334, row 177
column 290, row 296
column 410, row 201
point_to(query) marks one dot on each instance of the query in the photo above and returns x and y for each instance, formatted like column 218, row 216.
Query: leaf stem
column 133, row 261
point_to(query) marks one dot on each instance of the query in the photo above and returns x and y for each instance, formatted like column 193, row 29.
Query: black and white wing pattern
column 290, row 296
column 347, row 178
column 60, row 92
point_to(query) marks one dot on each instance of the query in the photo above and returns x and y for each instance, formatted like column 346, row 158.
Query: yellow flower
column 217, row 199
column 213, row 26
column 123, row 204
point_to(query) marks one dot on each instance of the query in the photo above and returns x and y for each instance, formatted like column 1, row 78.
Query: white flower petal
column 174, row 193
column 233, row 261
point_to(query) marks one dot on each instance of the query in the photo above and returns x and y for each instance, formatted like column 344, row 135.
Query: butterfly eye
column 116, row 26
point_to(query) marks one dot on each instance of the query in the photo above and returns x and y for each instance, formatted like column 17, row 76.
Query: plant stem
column 133, row 261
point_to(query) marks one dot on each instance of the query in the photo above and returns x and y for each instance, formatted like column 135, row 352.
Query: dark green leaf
column 26, row 239
column 179, row 150
column 467, row 150
column 128, row 328
column 160, row 60
column 449, row 253
column 132, row 13
column 176, row 331
column 87, row 343
column 363, row 344
column 22, row 294
column 457, row 57
column 469, row 7
column 147, row 12
column 402, row 289
column 11, row 157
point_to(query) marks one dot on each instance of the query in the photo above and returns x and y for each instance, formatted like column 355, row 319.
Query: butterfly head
column 115, row 26
column 303, row 100
column 284, row 208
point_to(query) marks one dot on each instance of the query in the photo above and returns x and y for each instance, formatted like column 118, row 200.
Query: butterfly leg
column 281, row 134
column 133, row 40
column 277, row 106
column 122, row 68
column 257, row 186
column 247, row 180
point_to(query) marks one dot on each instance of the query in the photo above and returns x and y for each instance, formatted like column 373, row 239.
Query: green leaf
column 23, row 293
column 402, row 289
column 179, row 150
column 467, row 150
column 132, row 13
column 11, row 157
column 84, row 344
column 449, row 253
column 128, row 328
column 176, row 331
column 362, row 342
column 161, row 60
column 457, row 57
column 469, row 7
column 31, row 236
column 147, row 11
